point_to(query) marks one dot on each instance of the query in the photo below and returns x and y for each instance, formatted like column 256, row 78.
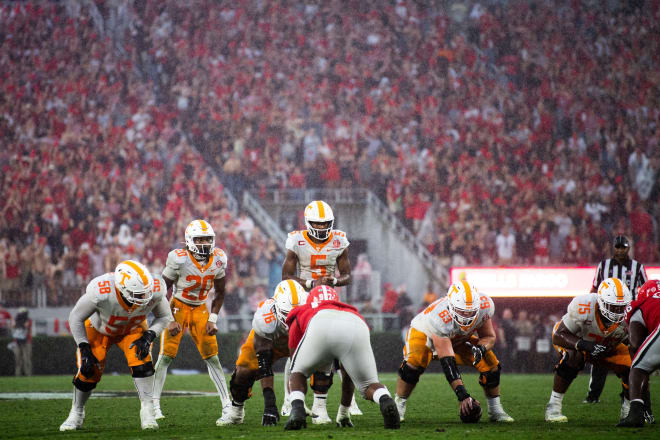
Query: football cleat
column 649, row 417
column 74, row 421
column 390, row 413
column 400, row 406
column 553, row 414
column 147, row 419
column 286, row 409
column 298, row 417
column 354, row 410
column 158, row 414
column 590, row 399
column 320, row 416
column 500, row 417
column 625, row 409
column 344, row 418
column 635, row 417
column 231, row 415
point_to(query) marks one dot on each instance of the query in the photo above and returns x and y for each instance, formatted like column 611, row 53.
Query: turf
column 432, row 412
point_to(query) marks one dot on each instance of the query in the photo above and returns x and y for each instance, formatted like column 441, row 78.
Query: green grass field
column 432, row 412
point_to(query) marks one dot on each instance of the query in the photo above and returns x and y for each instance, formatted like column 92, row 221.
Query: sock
column 287, row 373
column 343, row 410
column 494, row 404
column 320, row 400
column 402, row 399
column 379, row 393
column 218, row 378
column 145, row 389
column 79, row 399
column 297, row 395
column 556, row 398
column 161, row 374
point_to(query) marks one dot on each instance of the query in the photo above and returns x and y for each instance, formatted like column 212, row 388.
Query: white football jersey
column 436, row 320
column 192, row 281
column 317, row 260
column 266, row 325
column 583, row 320
column 113, row 315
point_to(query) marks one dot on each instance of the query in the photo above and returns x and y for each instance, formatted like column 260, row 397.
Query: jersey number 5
column 322, row 271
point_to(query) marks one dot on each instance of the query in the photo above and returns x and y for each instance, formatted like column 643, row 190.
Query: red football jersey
column 648, row 301
column 300, row 316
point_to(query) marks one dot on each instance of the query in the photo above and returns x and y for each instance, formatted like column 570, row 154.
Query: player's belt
column 187, row 303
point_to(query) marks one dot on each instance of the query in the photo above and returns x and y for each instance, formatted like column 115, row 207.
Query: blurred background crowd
column 499, row 132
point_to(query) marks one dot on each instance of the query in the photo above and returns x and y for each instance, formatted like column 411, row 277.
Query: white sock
column 297, row 395
column 161, row 374
column 79, row 399
column 556, row 398
column 145, row 389
column 494, row 404
column 287, row 373
column 380, row 392
column 343, row 410
column 320, row 400
column 218, row 378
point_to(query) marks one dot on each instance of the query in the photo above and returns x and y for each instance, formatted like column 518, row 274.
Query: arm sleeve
column 163, row 316
column 83, row 309
column 171, row 270
column 291, row 242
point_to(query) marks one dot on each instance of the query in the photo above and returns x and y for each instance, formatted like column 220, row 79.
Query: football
column 475, row 414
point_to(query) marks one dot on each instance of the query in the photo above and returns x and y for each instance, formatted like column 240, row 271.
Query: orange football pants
column 248, row 357
column 193, row 318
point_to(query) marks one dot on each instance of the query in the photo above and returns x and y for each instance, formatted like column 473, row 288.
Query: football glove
column 590, row 347
column 478, row 352
column 143, row 344
column 87, row 359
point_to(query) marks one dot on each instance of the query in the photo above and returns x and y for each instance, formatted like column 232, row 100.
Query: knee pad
column 239, row 392
column 144, row 370
column 490, row 379
column 83, row 386
column 321, row 382
column 408, row 374
column 566, row 371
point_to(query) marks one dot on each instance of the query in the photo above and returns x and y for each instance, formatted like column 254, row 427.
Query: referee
column 632, row 273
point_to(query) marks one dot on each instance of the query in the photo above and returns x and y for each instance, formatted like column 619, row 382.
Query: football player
column 316, row 253
column 191, row 273
column 456, row 329
column 591, row 331
column 325, row 329
column 643, row 319
column 267, row 342
column 113, row 311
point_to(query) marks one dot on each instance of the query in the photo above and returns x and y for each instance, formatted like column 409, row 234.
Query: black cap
column 621, row 241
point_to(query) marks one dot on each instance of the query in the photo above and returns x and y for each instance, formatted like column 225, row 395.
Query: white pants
column 647, row 357
column 335, row 334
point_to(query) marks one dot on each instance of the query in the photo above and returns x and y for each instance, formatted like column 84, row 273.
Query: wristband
column 334, row 281
column 308, row 284
column 461, row 393
column 213, row 317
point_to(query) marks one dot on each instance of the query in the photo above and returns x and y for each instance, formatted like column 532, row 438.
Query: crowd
column 523, row 133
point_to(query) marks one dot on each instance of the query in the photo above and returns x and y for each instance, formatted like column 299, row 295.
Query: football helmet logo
column 134, row 282
column 288, row 294
column 613, row 297
column 321, row 213
column 463, row 303
column 197, row 237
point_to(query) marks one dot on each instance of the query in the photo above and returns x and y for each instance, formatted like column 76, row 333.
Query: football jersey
column 317, row 260
column 266, row 325
column 192, row 280
column 583, row 320
column 436, row 320
column 113, row 316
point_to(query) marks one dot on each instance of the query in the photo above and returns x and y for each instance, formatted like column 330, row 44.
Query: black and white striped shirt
column 631, row 272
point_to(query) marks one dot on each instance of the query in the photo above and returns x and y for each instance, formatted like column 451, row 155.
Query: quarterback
column 456, row 329
column 113, row 311
column 267, row 342
column 312, row 258
column 592, row 331
column 191, row 273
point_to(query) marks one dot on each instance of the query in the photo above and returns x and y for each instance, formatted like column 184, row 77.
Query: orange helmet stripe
column 319, row 205
column 619, row 289
column 468, row 293
column 294, row 293
column 204, row 225
column 139, row 270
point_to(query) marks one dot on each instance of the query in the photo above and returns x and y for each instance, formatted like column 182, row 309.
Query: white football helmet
column 319, row 212
column 463, row 303
column 197, row 229
column 134, row 282
column 613, row 298
column 288, row 294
